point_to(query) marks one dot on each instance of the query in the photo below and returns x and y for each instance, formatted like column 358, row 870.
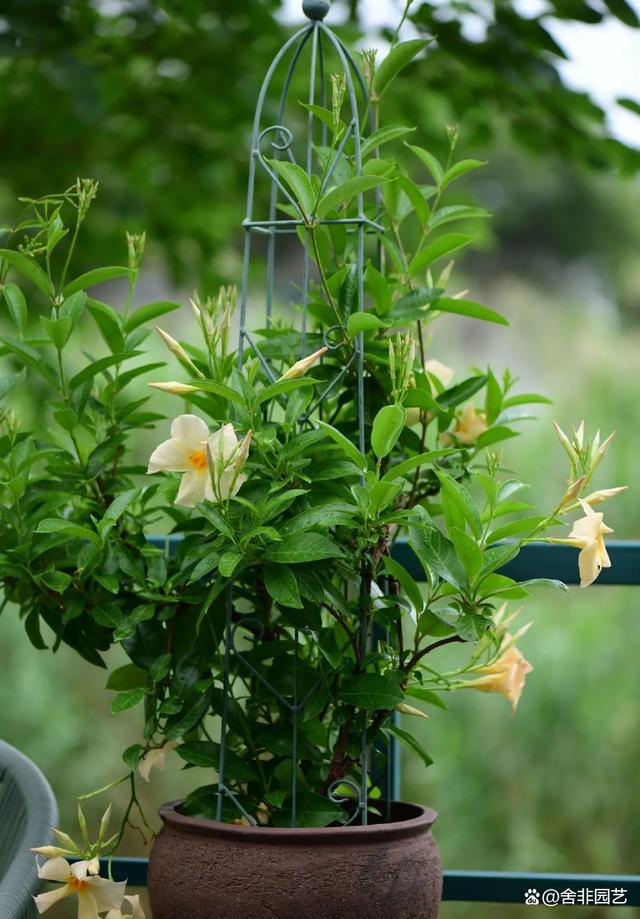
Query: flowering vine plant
column 283, row 521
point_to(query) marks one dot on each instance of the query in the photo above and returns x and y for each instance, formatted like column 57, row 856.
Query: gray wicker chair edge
column 27, row 813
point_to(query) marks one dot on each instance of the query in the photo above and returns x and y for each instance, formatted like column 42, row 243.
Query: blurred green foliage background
column 155, row 101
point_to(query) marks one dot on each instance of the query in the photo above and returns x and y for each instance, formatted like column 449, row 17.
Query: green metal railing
column 535, row 560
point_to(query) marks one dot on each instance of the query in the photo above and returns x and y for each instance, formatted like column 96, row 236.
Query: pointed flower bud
column 405, row 709
column 301, row 366
column 175, row 387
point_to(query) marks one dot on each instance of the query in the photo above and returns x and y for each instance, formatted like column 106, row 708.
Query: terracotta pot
column 207, row 870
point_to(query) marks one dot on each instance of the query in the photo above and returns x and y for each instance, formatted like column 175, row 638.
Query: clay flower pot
column 203, row 869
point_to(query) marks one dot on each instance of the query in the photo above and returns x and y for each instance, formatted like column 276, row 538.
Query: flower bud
column 176, row 349
column 175, row 387
column 301, row 366
column 410, row 710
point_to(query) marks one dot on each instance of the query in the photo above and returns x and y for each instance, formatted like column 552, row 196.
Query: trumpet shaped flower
column 155, row 758
column 468, row 427
column 506, row 674
column 211, row 463
column 439, row 370
column 588, row 535
column 95, row 894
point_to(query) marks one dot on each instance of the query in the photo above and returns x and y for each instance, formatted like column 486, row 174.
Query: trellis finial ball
column 316, row 9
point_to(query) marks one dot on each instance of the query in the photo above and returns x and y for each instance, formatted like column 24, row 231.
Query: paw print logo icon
column 531, row 897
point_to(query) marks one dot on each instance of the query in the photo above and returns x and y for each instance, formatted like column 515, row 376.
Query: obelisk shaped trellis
column 316, row 42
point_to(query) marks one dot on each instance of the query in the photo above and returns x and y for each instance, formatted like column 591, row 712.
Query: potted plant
column 274, row 646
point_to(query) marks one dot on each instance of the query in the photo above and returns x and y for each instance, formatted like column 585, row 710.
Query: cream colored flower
column 226, row 460
column 505, row 675
column 155, row 758
column 136, row 912
column 468, row 427
column 588, row 535
column 95, row 894
column 175, row 387
column 440, row 371
column 301, row 367
column 186, row 452
column 211, row 463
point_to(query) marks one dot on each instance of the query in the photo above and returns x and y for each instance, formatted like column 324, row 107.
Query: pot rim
column 422, row 822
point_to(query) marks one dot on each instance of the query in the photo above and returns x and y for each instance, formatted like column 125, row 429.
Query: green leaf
column 299, row 183
column 218, row 389
column 371, row 691
column 311, row 811
column 421, row 459
column 29, row 269
column 415, row 197
column 493, row 399
column 346, row 191
column 630, row 104
column 398, row 58
column 8, row 381
column 387, row 427
column 58, row 330
column 74, row 530
column 410, row 741
column 281, row 584
column 148, row 312
column 461, row 391
column 521, row 525
column 409, row 586
column 98, row 366
column 382, row 136
column 93, row 277
column 459, row 503
column 206, row 753
column 31, row 358
column 469, row 552
column 437, row 249
column 17, row 306
column 364, row 322
column 378, row 288
column 127, row 677
column 429, row 160
column 58, row 581
column 624, row 12
column 425, row 695
column 109, row 322
column 468, row 308
column 334, row 513
column 280, row 387
column 457, row 212
column 303, row 547
column 348, row 448
column 125, row 700
column 495, row 435
column 115, row 510
column 460, row 169
column 526, row 398
column 228, row 563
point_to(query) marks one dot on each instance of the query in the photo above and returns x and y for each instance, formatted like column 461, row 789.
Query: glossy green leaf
column 345, row 444
column 303, row 547
column 148, row 312
column 126, row 700
column 93, row 277
column 387, row 427
column 17, row 304
column 298, row 183
column 382, row 136
column 364, row 322
column 28, row 268
column 460, row 169
column 468, row 308
column 430, row 161
column 398, row 58
column 446, row 244
column 371, row 691
column 345, row 192
column 281, row 584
